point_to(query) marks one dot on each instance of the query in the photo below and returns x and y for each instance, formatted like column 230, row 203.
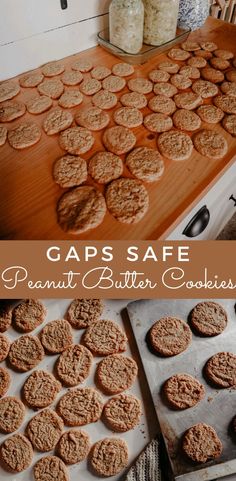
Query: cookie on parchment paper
column 4, row 347
column 12, row 413
column 83, row 312
column 74, row 364
column 122, row 413
column 5, row 316
column 25, row 353
column 40, row 389
column 80, row 406
column 101, row 457
column 5, row 381
column 73, row 446
column 50, row 468
column 16, row 453
column 56, row 336
column 44, row 430
column 105, row 337
column 28, row 315
column 116, row 373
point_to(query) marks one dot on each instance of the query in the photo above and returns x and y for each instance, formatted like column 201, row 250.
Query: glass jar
column 126, row 19
column 193, row 13
column 160, row 21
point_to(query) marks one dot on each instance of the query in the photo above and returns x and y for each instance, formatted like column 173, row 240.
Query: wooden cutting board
column 28, row 194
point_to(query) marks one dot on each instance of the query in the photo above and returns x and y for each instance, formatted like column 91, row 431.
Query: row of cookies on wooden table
column 44, row 432
column 171, row 336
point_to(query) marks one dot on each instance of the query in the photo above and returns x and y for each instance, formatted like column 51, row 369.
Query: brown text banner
column 117, row 269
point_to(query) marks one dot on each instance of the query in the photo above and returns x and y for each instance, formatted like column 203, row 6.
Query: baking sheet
column 217, row 408
column 136, row 438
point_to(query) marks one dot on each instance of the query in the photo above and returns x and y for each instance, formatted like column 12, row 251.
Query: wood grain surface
column 28, row 194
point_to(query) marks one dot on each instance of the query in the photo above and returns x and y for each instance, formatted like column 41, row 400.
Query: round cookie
column 180, row 81
column 122, row 69
column 25, row 353
column 40, row 389
column 53, row 88
column 100, row 72
column 133, row 99
column 204, row 54
column 82, row 65
column 12, row 413
column 170, row 67
column 8, row 90
column 127, row 200
column 74, row 364
column 4, row 347
column 39, row 104
column 205, row 88
column 145, row 164
column 226, row 103
column 211, row 144
column 56, row 336
column 105, row 167
column 5, row 381
column 116, row 373
column 52, row 69
column 28, row 315
column 219, row 63
column 90, row 86
column 212, row 75
column 56, row 121
column 31, row 80
column 16, row 453
column 208, row 46
column 166, row 89
column 113, row 83
column 183, row 391
column 81, row 209
column 44, row 430
column 201, row 443
column 178, row 54
column 3, row 135
column 80, row 406
column 187, row 100
column 11, row 110
column 109, row 457
column 50, row 468
column 231, row 76
column 170, row 336
column 83, row 312
column 119, row 140
column 74, row 446
column 162, row 105
column 92, row 118
column 24, row 135
column 128, row 117
column 190, row 72
column 140, row 85
column 104, row 100
column 72, row 78
column 225, row 54
column 175, row 145
column 5, row 317
column 229, row 88
column 105, row 337
column 197, row 62
column 208, row 318
column 70, row 98
column 185, row 119
column 229, row 124
column 210, row 114
column 221, row 369
column 122, row 413
column 190, row 46
column 76, row 140
column 158, row 76
column 69, row 171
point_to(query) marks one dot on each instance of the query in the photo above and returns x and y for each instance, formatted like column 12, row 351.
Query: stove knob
column 198, row 223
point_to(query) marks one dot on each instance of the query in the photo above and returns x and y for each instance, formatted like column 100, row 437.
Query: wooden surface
column 28, row 194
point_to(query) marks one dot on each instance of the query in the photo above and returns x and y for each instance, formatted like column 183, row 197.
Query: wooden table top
column 28, row 194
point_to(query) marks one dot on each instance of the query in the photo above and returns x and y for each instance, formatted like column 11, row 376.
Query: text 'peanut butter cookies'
column 109, row 457
column 24, row 135
column 158, row 122
column 56, row 121
column 28, row 315
column 44, row 430
column 229, row 124
column 92, row 118
column 40, row 389
column 74, row 364
column 25, row 353
column 170, row 336
column 119, row 140
column 81, row 209
column 31, row 80
column 50, row 468
column 127, row 200
column 3, row 135
column 39, row 104
column 80, row 406
column 73, row 446
column 16, row 453
column 4, row 347
column 69, row 171
column 56, row 336
column 5, row 317
column 201, row 443
column 116, row 373
column 8, row 90
column 211, row 144
column 104, row 100
column 183, row 391
column 122, row 413
column 11, row 110
column 105, row 167
column 53, row 88
column 83, row 312
column 105, row 337
column 221, row 369
column 76, row 140
column 5, row 381
column 12, row 413
column 146, row 164
column 208, row 318
column 175, row 145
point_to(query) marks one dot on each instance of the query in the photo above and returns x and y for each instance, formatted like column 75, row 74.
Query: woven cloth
column 147, row 466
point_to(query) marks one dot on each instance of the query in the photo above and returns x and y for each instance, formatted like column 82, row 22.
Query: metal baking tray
column 219, row 405
column 147, row 51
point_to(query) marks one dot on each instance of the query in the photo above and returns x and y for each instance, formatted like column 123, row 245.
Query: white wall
column 33, row 32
